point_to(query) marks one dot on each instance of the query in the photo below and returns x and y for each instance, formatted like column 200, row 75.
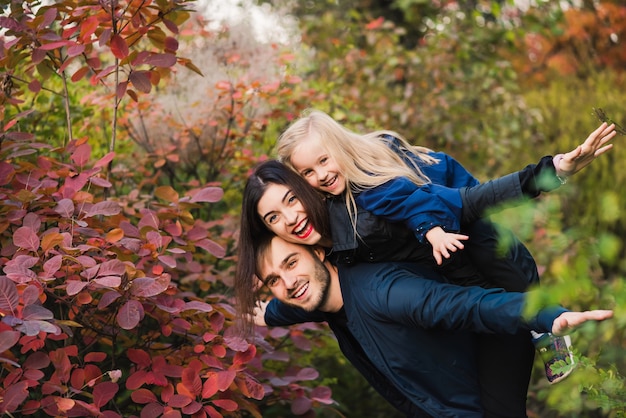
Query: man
column 409, row 337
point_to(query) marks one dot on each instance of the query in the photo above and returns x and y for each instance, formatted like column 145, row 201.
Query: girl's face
column 318, row 168
column 283, row 214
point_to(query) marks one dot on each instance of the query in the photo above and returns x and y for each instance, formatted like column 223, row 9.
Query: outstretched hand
column 568, row 321
column 595, row 145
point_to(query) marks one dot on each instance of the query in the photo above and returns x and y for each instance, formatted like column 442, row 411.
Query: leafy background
column 129, row 128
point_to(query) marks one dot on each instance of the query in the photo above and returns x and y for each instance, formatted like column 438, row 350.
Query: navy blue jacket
column 417, row 334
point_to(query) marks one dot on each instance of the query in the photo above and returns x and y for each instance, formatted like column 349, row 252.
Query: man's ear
column 320, row 253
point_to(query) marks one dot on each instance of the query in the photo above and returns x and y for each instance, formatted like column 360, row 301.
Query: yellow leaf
column 49, row 241
column 69, row 323
column 166, row 193
column 115, row 235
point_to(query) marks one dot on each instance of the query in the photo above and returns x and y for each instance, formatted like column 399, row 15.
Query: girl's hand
column 444, row 242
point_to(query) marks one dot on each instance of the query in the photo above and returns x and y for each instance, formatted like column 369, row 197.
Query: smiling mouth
column 303, row 230
column 301, row 291
column 330, row 183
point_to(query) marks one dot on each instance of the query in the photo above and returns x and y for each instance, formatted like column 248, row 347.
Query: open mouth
column 301, row 291
column 330, row 183
column 303, row 229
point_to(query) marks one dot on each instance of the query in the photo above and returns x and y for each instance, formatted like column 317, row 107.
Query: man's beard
column 321, row 276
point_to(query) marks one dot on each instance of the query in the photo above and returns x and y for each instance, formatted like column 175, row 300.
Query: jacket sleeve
column 404, row 296
column 279, row 314
column 419, row 207
column 448, row 172
column 513, row 188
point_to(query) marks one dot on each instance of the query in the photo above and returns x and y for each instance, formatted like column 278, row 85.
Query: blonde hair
column 365, row 161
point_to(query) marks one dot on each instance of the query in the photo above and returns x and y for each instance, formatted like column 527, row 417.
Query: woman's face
column 318, row 168
column 283, row 214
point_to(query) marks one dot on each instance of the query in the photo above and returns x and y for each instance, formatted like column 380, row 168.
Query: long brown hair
column 253, row 230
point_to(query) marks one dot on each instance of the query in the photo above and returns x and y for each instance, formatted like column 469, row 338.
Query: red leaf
column 179, row 401
column 112, row 267
column 224, row 379
column 139, row 357
column 36, row 312
column 143, row 396
column 212, row 247
column 54, row 45
column 48, row 18
column 81, row 154
column 103, row 393
column 121, row 90
column 9, row 298
column 30, row 295
column 8, row 339
column 136, row 380
column 88, row 27
column 171, row 413
column 53, row 265
column 37, row 360
column 108, row 298
column 209, row 388
column 170, row 25
column 79, row 74
column 308, row 373
column 73, row 287
column 192, row 408
column 130, row 314
column 26, row 238
column 212, row 412
column 104, row 161
column 161, row 60
column 192, row 381
column 34, row 86
column 375, row 24
column 251, row 387
column 95, row 357
column 119, row 47
column 62, row 364
column 75, row 50
column 171, row 44
column 242, row 358
column 168, row 260
column 301, row 405
column 197, row 306
column 152, row 410
column 147, row 286
column 208, row 194
column 108, row 281
column 322, row 394
column 14, row 396
column 106, row 208
column 100, row 182
column 141, row 81
column 65, row 208
column 226, row 404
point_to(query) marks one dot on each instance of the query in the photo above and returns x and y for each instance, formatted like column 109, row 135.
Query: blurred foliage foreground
column 123, row 154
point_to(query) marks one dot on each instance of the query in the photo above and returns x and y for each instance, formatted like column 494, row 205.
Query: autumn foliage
column 110, row 305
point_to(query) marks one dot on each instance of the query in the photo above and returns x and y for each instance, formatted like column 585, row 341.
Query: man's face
column 295, row 275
